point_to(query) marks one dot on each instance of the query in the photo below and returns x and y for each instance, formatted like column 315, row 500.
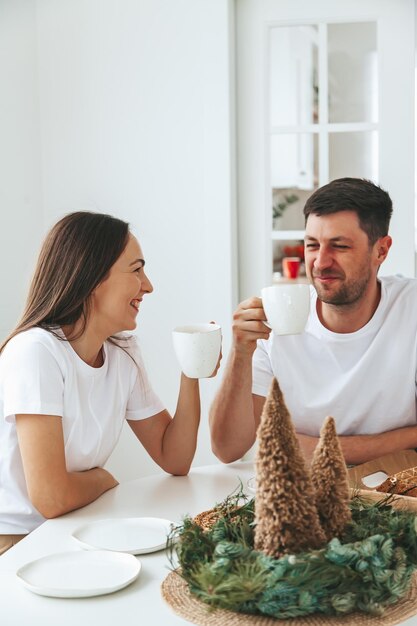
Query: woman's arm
column 51, row 488
column 171, row 441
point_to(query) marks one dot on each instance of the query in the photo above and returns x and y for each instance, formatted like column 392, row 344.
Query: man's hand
column 248, row 325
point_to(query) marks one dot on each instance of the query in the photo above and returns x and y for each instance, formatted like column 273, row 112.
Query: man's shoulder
column 399, row 296
column 399, row 284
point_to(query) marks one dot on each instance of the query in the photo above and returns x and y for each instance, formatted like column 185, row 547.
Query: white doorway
column 324, row 90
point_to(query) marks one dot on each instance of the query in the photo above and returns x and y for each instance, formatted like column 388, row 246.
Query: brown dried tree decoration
column 286, row 517
column 329, row 475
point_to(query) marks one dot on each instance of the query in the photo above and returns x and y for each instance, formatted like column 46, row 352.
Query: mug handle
column 266, row 323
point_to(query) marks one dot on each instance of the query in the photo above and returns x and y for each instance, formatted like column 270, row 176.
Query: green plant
column 368, row 568
column 279, row 208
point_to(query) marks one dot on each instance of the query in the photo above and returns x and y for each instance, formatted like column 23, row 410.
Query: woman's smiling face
column 115, row 302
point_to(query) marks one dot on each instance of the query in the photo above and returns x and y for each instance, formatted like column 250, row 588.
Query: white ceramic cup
column 197, row 347
column 286, row 307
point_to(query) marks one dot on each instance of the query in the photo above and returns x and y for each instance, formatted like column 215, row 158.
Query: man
column 355, row 360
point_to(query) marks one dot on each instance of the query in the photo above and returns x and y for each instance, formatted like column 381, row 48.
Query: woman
column 68, row 380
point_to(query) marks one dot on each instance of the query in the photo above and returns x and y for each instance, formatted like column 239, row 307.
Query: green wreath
column 367, row 569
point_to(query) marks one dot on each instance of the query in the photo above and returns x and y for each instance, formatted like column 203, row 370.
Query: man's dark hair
column 370, row 202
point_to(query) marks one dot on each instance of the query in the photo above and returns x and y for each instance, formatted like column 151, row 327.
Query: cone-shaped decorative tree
column 329, row 476
column 286, row 517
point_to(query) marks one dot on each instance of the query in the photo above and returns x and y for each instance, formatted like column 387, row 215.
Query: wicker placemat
column 175, row 592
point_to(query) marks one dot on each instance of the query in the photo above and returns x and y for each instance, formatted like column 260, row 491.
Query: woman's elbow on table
column 69, row 491
column 49, row 503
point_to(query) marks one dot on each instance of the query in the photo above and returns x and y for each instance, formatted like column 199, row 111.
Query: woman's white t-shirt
column 41, row 374
column 366, row 380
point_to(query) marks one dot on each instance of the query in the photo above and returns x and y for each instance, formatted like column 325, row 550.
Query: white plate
column 134, row 535
column 79, row 574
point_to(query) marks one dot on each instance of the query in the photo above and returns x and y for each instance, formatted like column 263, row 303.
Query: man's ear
column 382, row 247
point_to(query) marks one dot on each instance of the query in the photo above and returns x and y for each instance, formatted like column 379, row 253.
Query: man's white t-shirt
column 41, row 374
column 366, row 380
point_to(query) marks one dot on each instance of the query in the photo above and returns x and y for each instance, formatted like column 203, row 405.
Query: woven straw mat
column 175, row 592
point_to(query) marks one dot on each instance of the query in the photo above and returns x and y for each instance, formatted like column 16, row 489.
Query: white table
column 141, row 603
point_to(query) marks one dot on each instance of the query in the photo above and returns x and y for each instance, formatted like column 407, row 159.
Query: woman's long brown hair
column 76, row 256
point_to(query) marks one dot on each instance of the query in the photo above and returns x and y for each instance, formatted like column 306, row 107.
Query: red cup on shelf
column 291, row 266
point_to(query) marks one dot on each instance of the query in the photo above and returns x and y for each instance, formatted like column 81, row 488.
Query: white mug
column 197, row 347
column 286, row 307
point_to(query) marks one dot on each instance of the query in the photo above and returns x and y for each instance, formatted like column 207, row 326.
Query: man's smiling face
column 340, row 261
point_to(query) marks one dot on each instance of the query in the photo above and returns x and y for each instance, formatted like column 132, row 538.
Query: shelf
column 290, row 281
column 287, row 235
column 339, row 127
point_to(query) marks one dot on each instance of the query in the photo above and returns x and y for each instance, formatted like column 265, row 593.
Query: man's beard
column 348, row 293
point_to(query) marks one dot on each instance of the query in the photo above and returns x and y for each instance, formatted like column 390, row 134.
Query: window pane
column 353, row 74
column 353, row 154
column 293, row 75
column 287, row 208
column 294, row 160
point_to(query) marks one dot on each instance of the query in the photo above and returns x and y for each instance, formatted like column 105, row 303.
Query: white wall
column 135, row 120
column 20, row 196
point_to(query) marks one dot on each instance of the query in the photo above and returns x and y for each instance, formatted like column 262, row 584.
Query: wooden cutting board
column 390, row 464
